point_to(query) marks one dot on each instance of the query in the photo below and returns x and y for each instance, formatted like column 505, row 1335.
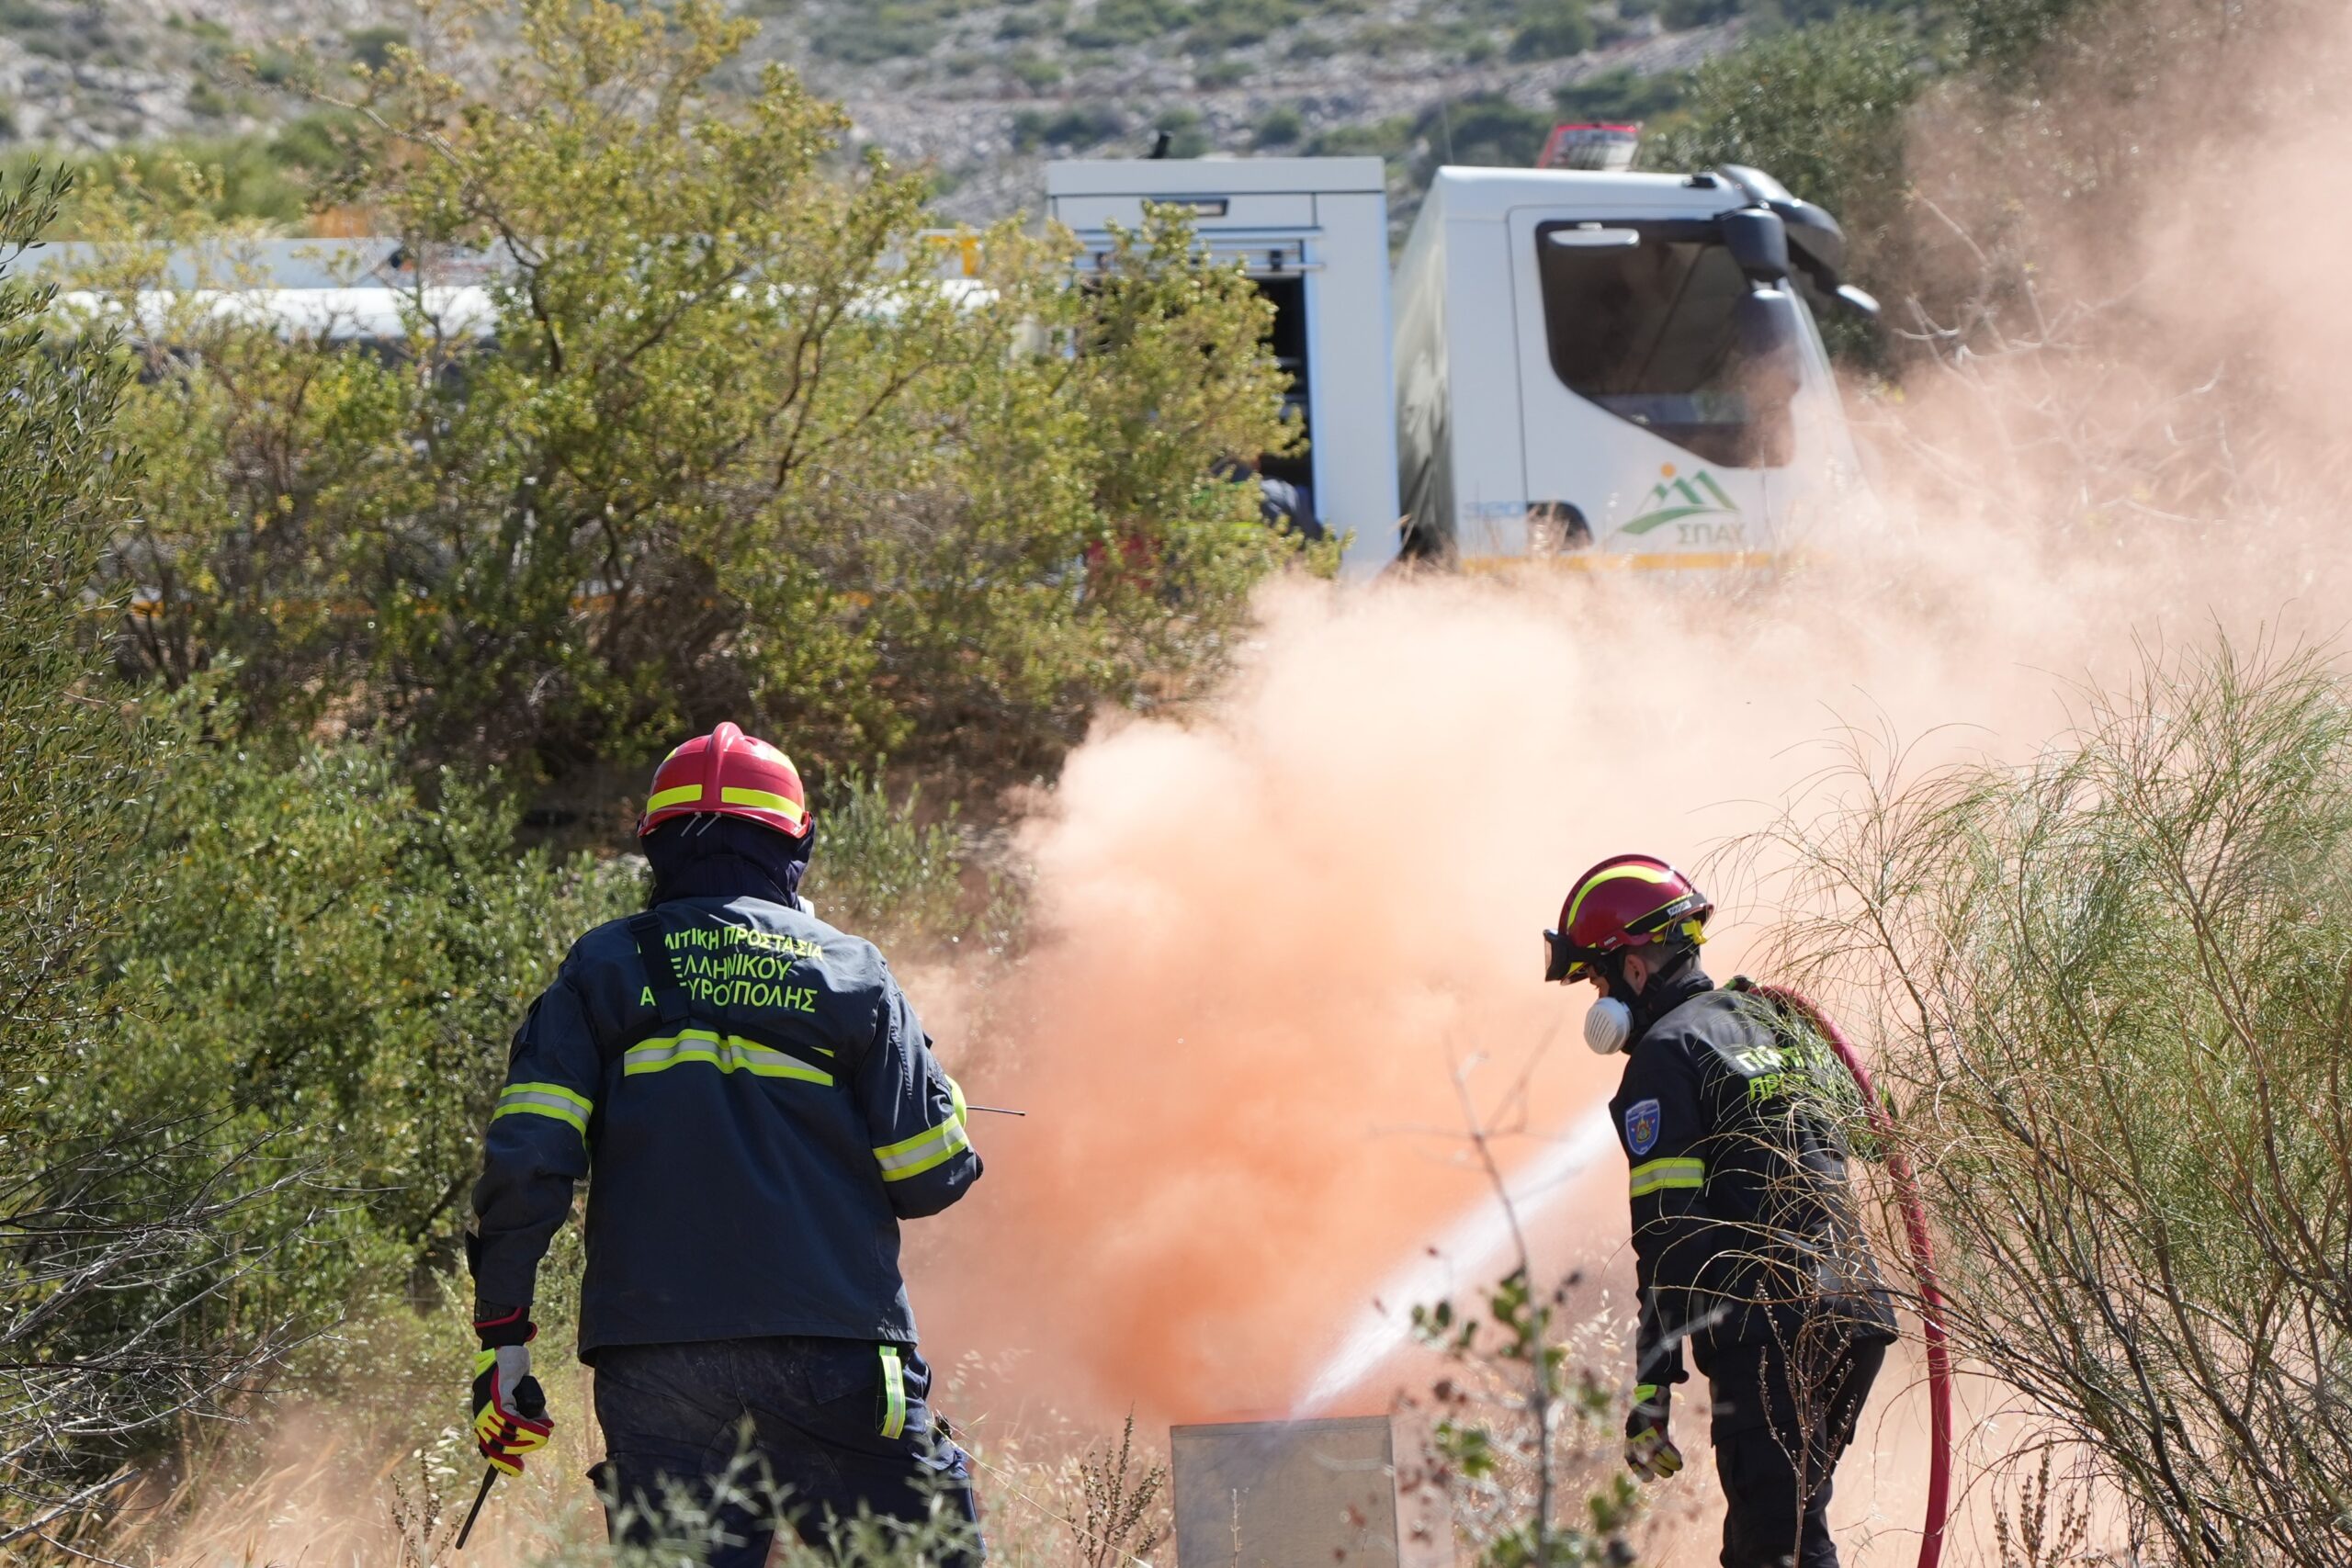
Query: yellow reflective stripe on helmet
column 733, row 1053
column 543, row 1099
column 925, row 1150
column 766, row 800
column 1646, row 873
column 894, row 1393
column 685, row 794
column 1661, row 1174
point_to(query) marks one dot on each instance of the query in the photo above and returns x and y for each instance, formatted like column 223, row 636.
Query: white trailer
column 1313, row 233
column 1598, row 370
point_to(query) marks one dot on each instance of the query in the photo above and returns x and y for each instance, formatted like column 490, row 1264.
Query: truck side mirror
column 1759, row 241
column 1861, row 303
column 1770, row 333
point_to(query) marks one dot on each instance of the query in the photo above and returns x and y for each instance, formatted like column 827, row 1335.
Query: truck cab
column 1591, row 369
column 1616, row 370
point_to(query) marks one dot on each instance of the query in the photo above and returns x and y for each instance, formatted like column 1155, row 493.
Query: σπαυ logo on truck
column 1671, row 500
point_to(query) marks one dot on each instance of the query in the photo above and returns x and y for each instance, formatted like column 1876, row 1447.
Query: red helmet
column 732, row 774
column 1625, row 901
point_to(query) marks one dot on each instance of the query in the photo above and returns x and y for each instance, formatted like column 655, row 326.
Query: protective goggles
column 1563, row 960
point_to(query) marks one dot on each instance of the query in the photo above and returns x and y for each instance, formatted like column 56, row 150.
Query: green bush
column 1618, row 96
column 276, row 68
column 272, row 178
column 1552, row 30
column 1219, row 26
column 1034, row 72
column 1280, row 127
column 1080, row 124
column 1822, row 111
column 1182, row 125
column 113, row 1232
column 1115, row 24
column 896, row 29
column 880, row 871
column 731, row 451
column 2110, row 986
column 338, row 962
column 1680, row 14
column 372, row 47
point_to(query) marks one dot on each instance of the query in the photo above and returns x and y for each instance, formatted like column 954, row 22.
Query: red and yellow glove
column 510, row 1412
column 1650, row 1452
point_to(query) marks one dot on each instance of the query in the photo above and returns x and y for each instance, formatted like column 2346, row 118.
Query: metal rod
column 488, row 1475
column 996, row 1110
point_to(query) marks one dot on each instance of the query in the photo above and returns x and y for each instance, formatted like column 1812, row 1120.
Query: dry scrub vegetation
column 2112, row 991
column 260, row 862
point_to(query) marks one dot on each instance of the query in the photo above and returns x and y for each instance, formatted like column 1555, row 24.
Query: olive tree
column 93, row 1211
column 730, row 444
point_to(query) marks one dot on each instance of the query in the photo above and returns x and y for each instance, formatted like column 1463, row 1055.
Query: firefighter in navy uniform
column 1746, row 1242
column 761, row 1110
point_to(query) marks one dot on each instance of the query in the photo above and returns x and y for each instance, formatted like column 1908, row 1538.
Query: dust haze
column 1281, row 936
column 1276, row 931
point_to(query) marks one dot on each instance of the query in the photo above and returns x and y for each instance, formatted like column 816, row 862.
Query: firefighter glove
column 1650, row 1452
column 510, row 1412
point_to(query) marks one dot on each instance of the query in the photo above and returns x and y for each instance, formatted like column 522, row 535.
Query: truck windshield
column 1645, row 330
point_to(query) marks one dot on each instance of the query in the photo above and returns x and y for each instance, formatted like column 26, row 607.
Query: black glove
column 510, row 1412
column 1650, row 1452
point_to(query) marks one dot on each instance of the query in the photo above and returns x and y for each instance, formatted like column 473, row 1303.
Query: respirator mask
column 1608, row 1026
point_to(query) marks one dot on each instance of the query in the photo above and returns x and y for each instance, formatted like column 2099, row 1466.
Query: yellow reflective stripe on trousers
column 1661, row 1174
column 924, row 1151
column 894, row 1393
column 733, row 1053
column 543, row 1099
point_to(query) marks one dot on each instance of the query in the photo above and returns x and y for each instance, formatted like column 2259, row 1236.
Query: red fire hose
column 1923, row 1259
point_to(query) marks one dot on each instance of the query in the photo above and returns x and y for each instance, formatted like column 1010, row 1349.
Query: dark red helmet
column 732, row 774
column 1625, row 901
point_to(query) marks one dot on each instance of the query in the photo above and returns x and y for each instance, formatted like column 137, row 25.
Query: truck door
column 1641, row 442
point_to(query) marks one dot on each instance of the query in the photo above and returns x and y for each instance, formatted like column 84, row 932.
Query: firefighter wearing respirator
column 1747, row 1248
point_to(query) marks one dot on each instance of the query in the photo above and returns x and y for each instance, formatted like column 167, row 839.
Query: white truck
column 1597, row 369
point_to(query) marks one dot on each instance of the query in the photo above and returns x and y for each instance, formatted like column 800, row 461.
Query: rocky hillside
column 983, row 90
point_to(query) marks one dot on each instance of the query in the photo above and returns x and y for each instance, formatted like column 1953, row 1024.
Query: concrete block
column 1289, row 1495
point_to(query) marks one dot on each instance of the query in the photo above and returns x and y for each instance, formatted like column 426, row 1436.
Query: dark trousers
column 713, row 1445
column 1784, row 1414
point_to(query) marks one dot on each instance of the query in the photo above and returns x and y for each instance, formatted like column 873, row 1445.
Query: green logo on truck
column 1672, row 499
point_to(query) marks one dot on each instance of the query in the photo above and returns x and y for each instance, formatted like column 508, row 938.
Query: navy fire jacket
column 1733, row 1120
column 760, row 1108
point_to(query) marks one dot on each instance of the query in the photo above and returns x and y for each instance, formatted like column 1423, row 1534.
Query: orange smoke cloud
column 1271, row 935
column 1270, row 930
